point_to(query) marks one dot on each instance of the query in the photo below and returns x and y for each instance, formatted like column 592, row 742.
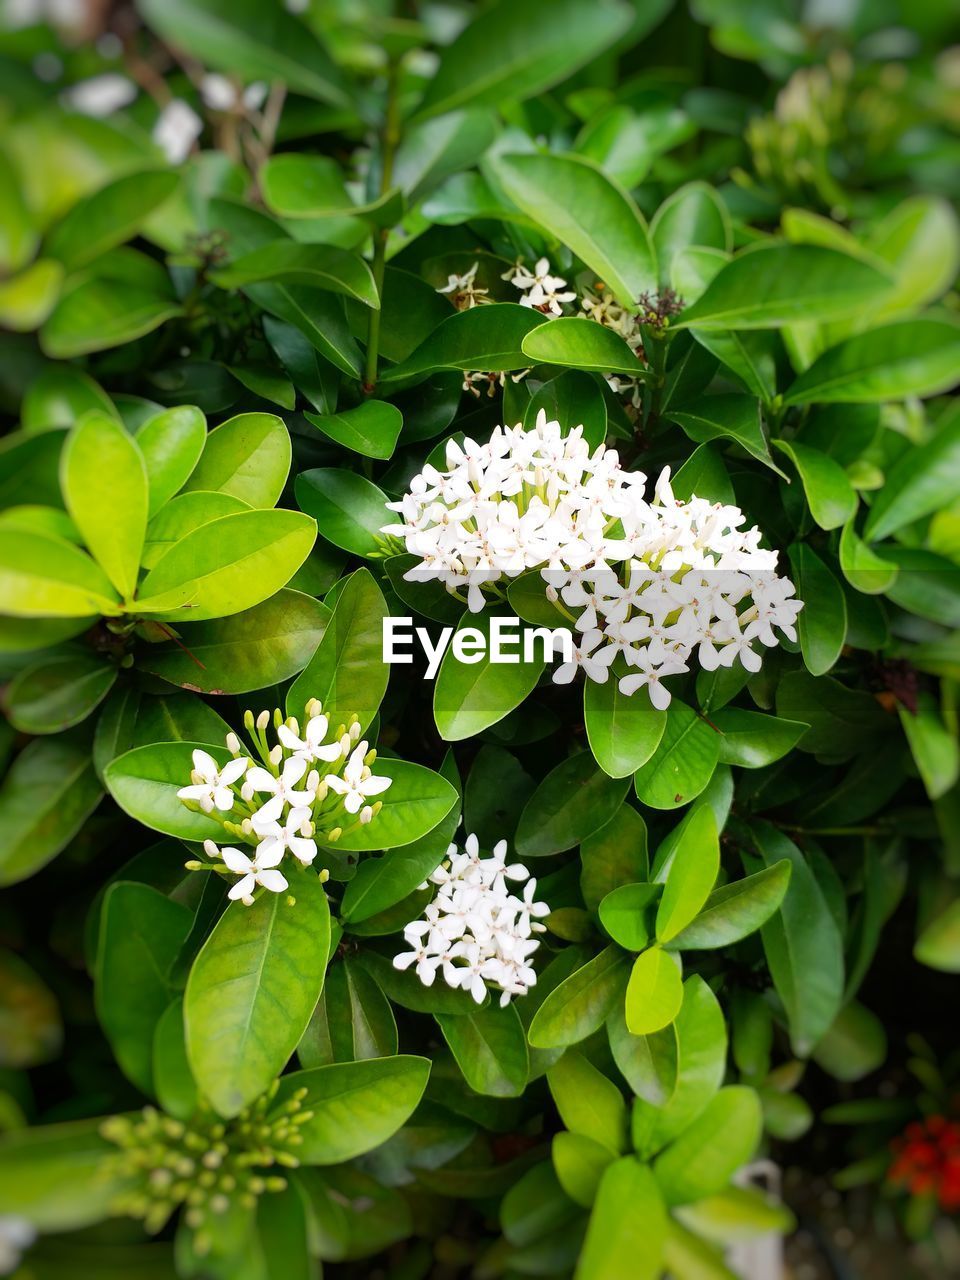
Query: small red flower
column 926, row 1161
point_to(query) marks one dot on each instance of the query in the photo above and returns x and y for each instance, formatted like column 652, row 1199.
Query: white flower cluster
column 475, row 930
column 603, row 307
column 305, row 787
column 540, row 290
column 649, row 582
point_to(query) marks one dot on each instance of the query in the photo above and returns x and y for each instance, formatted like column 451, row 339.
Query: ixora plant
column 629, row 325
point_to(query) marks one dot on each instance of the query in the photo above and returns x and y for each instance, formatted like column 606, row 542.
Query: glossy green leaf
column 907, row 358
column 144, row 782
column 171, row 444
column 829, row 493
column 627, row 1228
column 352, row 1021
column 109, row 216
column 691, row 875
column 720, row 1141
column 488, row 338
column 349, row 510
column 347, row 673
column 778, row 284
column 862, row 567
column 48, row 793
column 577, row 204
column 105, row 485
column 181, row 515
column 94, row 314
column 727, row 417
column 227, row 566
column 581, row 1003
column 28, row 299
column 614, row 855
column 692, row 215
column 923, row 480
column 252, row 989
column 173, row 1081
column 490, row 1048
column 317, row 266
column 57, row 692
column 472, row 694
column 248, row 457
column 141, row 933
column 372, row 429
column 823, row 619
column 736, row 910
column 566, row 38
column 654, row 992
column 573, row 801
column 753, row 740
column 251, row 650
column 588, row 1102
column 59, row 395
column 627, row 913
column 356, row 1105
column 416, row 802
column 938, row 946
column 683, row 762
column 582, row 344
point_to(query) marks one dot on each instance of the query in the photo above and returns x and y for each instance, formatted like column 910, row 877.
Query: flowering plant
column 323, row 325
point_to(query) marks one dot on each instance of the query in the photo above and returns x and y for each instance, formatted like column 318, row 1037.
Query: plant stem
column 389, row 141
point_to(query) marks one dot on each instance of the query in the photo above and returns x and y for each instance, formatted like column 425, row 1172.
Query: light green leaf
column 627, row 914
column 248, row 457
column 27, row 299
column 938, row 946
column 577, row 204
column 627, row 1228
column 109, row 216
column 53, row 1175
column 823, row 619
column 588, row 1102
column 654, row 992
column 46, row 577
column 580, row 343
column 252, row 989
column 692, row 215
column 830, row 495
column 623, row 732
column 538, row 43
column 469, row 696
column 682, row 764
column 581, row 1003
column 691, row 875
column 94, row 314
column 736, row 910
column 923, row 480
column 720, row 1141
column 171, row 444
column 417, row 801
column 144, row 782
column 180, row 516
column 371, row 429
column 866, row 571
column 105, row 486
column 775, row 285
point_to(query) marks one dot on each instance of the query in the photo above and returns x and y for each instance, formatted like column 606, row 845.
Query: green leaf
column 752, row 740
column 248, row 457
column 173, row 1081
column 171, row 444
column 654, row 992
column 855, row 1045
column 105, row 486
column 252, row 989
column 318, row 315
column 317, row 266
column 349, row 510
column 736, row 910
column 573, row 399
column 259, row 647
column 613, row 856
column 823, row 619
column 682, row 764
column 918, row 357
column 693, row 215
column 579, row 1162
column 356, row 1105
column 353, row 1020
column 933, row 745
column 59, row 395
column 803, row 945
column 829, row 493
column 628, row 1226
column 627, row 914
column 580, row 343
column 751, row 355
column 692, row 873
column 577, row 204
column 347, row 673
column 866, row 571
column 94, row 314
column 372, row 429
column 488, row 338
column 19, row 235
column 57, row 692
column 183, row 514
column 471, row 695
column 920, row 239
column 227, row 566
column 53, row 1175
column 589, row 1103
column 573, row 801
column 304, row 186
column 774, row 285
column 538, row 43
column 243, row 38
column 581, row 1003
column 938, row 946
column 720, row 1141
column 144, row 782
column 490, row 1048
column 27, row 299
column 727, row 417
column 48, row 793
column 141, row 933
column 923, row 480
column 109, row 216
column 417, row 801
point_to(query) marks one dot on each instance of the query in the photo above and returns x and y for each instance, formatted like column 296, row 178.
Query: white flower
column 260, row 869
column 357, row 783
column 475, row 931
column 101, row 96
column 464, row 291
column 282, row 787
column 595, row 665
column 210, row 785
column 311, row 747
column 220, row 93
column 540, row 289
column 177, row 128
column 288, row 835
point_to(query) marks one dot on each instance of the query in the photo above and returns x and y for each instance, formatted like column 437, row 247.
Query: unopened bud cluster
column 305, row 788
column 205, row 1166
